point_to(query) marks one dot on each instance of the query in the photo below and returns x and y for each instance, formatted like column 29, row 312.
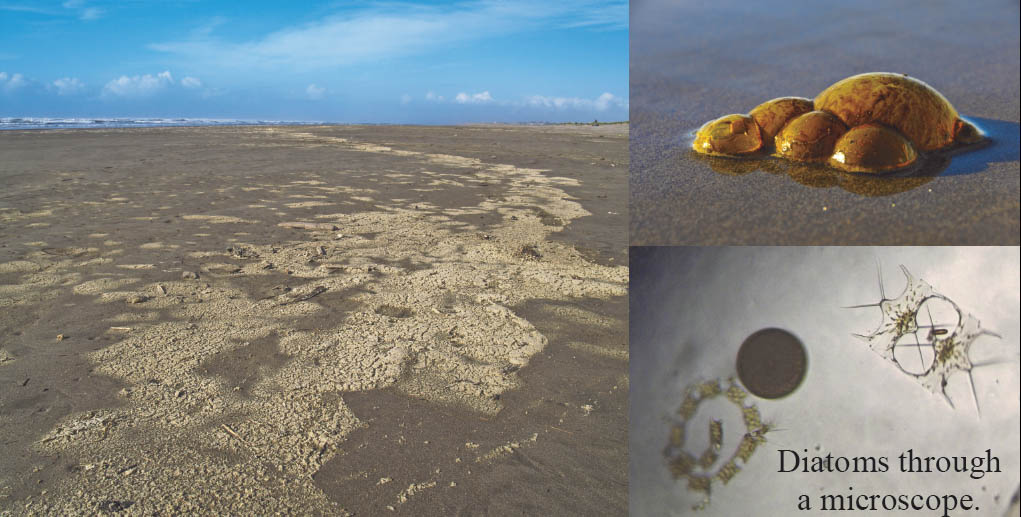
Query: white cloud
column 604, row 102
column 475, row 98
column 68, row 86
column 405, row 99
column 10, row 83
column 84, row 12
column 315, row 92
column 394, row 29
column 129, row 87
column 609, row 15
column 137, row 87
column 26, row 9
column 601, row 103
column 90, row 13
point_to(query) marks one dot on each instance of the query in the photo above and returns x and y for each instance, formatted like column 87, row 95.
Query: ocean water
column 120, row 122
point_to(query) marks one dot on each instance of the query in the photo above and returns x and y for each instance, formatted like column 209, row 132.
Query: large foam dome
column 914, row 108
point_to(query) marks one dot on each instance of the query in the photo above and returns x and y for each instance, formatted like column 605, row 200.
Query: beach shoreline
column 161, row 327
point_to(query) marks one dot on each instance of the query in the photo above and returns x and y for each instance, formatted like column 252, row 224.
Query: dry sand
column 692, row 62
column 448, row 332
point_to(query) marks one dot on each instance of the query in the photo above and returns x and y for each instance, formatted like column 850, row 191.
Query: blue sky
column 400, row 62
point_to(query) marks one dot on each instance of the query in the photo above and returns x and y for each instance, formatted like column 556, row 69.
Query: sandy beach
column 327, row 320
column 691, row 63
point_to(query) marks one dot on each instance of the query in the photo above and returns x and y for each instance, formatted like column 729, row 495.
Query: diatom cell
column 946, row 338
column 713, row 465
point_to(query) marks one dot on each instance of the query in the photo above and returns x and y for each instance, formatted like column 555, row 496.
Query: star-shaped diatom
column 947, row 343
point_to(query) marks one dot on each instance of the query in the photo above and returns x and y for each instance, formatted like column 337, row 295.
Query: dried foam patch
column 433, row 318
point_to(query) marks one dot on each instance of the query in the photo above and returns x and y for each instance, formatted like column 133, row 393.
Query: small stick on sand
column 310, row 226
column 121, row 329
column 235, row 435
column 302, row 297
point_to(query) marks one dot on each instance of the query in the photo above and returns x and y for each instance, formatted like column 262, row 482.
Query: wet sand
column 691, row 63
column 452, row 334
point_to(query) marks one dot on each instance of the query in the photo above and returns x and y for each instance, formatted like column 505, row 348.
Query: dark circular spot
column 771, row 363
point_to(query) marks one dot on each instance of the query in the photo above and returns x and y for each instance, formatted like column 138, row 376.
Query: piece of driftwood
column 234, row 434
column 304, row 296
column 327, row 227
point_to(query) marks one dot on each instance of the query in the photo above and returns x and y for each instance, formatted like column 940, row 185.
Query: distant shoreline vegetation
column 24, row 123
column 593, row 123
